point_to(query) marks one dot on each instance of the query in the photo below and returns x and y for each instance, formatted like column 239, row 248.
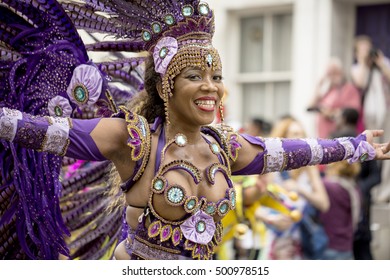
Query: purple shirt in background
column 338, row 220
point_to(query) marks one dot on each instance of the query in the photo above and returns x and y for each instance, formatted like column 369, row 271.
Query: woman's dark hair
column 148, row 102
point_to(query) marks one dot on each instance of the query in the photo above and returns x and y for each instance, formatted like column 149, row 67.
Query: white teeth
column 205, row 102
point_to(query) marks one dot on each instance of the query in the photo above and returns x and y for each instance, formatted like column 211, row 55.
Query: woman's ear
column 159, row 90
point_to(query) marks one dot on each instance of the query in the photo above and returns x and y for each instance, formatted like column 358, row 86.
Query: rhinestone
column 191, row 204
column 209, row 60
column 187, row 11
column 224, row 207
column 210, row 209
column 146, row 36
column 203, row 9
column 80, row 94
column 163, row 52
column 233, row 199
column 180, row 140
column 215, row 148
column 158, row 185
column 169, row 19
column 201, row 226
column 175, row 195
column 156, row 27
column 58, row 111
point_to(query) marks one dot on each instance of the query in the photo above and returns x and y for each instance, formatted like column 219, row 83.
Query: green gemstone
column 169, row 19
column 233, row 199
column 210, row 209
column 58, row 111
column 191, row 204
column 163, row 52
column 203, row 9
column 201, row 226
column 158, row 185
column 146, row 36
column 187, row 11
column 223, row 209
column 156, row 27
column 79, row 94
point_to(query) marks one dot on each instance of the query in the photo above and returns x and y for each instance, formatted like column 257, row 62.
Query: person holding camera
column 333, row 93
column 371, row 75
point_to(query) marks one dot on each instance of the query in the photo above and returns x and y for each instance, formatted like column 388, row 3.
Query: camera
column 373, row 53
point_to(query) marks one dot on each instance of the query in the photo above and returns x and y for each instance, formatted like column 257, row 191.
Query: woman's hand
column 381, row 149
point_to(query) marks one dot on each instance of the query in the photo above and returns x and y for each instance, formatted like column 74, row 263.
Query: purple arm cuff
column 285, row 154
column 59, row 136
column 81, row 144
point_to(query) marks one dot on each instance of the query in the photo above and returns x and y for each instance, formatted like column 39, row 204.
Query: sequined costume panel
column 197, row 234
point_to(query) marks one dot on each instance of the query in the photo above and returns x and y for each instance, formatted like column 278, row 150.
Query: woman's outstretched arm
column 263, row 155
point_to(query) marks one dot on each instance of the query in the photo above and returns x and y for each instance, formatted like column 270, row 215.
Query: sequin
column 58, row 111
column 80, row 93
column 146, row 36
column 156, row 27
column 210, row 209
column 180, row 140
column 163, row 52
column 175, row 194
column 209, row 60
column 158, row 185
column 187, row 10
column 169, row 19
column 223, row 208
column 203, row 9
column 215, row 148
column 200, row 226
column 166, row 233
column 176, row 236
column 154, row 229
column 191, row 204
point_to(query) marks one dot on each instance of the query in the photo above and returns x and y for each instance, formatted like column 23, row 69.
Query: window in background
column 265, row 65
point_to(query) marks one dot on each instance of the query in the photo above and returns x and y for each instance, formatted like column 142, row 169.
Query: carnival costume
column 47, row 79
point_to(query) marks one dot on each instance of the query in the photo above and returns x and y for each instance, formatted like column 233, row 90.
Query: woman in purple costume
column 172, row 166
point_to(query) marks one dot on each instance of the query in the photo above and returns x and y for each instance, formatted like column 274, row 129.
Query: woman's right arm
column 94, row 139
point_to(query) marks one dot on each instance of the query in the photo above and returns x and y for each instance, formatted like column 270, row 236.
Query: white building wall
column 311, row 48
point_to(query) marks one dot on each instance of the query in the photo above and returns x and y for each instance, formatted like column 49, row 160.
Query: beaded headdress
column 177, row 33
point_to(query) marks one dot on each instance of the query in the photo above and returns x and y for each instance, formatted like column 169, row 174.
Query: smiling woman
column 171, row 166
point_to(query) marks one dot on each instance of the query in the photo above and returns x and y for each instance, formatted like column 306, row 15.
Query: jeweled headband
column 177, row 33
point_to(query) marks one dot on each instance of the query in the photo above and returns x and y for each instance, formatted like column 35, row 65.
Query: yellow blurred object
column 240, row 230
column 296, row 215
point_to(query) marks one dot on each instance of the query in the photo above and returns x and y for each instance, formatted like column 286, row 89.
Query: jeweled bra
column 196, row 235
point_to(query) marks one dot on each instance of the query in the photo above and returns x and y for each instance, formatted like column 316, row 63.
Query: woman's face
column 196, row 96
column 295, row 130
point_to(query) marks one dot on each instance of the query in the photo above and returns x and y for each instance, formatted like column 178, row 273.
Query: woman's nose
column 209, row 85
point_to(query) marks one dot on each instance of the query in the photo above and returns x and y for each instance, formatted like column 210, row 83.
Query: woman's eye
column 218, row 78
column 194, row 77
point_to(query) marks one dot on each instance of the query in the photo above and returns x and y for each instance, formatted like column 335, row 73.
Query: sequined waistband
column 149, row 251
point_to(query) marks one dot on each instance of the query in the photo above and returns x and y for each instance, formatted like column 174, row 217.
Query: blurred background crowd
column 304, row 68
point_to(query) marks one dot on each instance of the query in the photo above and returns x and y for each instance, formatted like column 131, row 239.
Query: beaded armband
column 139, row 140
column 44, row 134
column 285, row 154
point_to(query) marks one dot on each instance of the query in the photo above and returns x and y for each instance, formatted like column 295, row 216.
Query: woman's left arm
column 257, row 155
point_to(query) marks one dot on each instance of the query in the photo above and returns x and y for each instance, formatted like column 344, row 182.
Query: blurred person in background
column 340, row 221
column 242, row 232
column 371, row 74
column 368, row 177
column 283, row 239
column 333, row 93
